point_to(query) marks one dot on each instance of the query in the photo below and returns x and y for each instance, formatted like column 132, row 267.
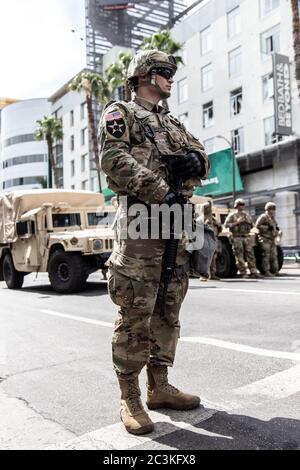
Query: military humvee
column 64, row 233
column 226, row 265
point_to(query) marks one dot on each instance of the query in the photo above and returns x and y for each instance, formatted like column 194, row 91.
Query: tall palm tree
column 50, row 129
column 163, row 41
column 94, row 87
column 296, row 36
column 116, row 74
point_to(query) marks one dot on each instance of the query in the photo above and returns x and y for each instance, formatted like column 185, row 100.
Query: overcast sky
column 38, row 51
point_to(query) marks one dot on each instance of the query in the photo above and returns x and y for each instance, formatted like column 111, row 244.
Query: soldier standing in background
column 211, row 221
column 133, row 136
column 240, row 224
column 268, row 231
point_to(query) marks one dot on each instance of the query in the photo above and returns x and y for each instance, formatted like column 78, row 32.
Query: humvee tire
column 226, row 266
column 14, row 279
column 66, row 273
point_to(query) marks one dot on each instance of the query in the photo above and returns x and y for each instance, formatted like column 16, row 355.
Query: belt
column 240, row 236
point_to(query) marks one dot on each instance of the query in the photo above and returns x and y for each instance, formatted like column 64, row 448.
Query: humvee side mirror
column 22, row 228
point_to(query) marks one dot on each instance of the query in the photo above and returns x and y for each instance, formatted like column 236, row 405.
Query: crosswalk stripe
column 277, row 386
column 115, row 437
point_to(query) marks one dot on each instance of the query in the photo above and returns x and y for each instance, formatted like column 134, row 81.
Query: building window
column 236, row 102
column 206, row 40
column 268, row 87
column 83, row 136
column 184, row 119
column 208, row 114
column 83, row 162
column 72, row 168
column 234, row 22
column 209, row 145
column 270, row 41
column 182, row 90
column 269, row 130
column 235, row 62
column 237, row 137
column 84, row 185
column 82, row 110
column 72, row 143
column 19, row 139
column 267, row 6
column 207, row 77
column 71, row 118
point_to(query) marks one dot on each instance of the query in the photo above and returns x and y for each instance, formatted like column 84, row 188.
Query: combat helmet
column 270, row 205
column 239, row 202
column 145, row 61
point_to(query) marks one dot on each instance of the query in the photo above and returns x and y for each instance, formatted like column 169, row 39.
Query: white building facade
column 23, row 160
column 226, row 89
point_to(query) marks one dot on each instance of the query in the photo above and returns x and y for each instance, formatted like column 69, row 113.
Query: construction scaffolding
column 125, row 23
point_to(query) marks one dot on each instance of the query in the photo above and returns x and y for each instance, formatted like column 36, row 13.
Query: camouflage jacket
column 243, row 229
column 132, row 161
column 267, row 226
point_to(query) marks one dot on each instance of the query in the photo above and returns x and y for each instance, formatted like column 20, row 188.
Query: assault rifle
column 170, row 254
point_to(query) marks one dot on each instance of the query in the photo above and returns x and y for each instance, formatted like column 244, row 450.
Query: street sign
column 282, row 94
column 219, row 181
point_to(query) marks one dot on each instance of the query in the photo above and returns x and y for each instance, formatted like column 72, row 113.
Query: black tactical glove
column 169, row 199
column 189, row 166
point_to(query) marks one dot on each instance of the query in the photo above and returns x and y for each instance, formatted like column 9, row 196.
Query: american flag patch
column 113, row 116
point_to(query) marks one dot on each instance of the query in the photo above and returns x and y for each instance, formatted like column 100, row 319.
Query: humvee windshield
column 66, row 220
column 104, row 218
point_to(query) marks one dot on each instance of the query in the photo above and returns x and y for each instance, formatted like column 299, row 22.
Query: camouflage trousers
column 142, row 334
column 243, row 252
column 269, row 256
column 213, row 266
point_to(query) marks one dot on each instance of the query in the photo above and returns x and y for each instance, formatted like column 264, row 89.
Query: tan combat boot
column 133, row 415
column 160, row 394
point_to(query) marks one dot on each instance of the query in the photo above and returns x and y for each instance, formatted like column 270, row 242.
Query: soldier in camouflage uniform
column 240, row 224
column 212, row 222
column 132, row 138
column 268, row 231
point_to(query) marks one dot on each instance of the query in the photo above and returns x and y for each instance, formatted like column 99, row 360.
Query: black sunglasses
column 166, row 73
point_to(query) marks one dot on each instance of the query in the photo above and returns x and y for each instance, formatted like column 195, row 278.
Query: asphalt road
column 239, row 349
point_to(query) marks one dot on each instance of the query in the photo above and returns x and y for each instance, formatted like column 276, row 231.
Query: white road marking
column 277, row 386
column 242, row 348
column 257, row 291
column 77, row 318
column 115, row 437
column 202, row 340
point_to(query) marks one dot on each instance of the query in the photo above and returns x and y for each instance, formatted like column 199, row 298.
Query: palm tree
column 296, row 36
column 116, row 74
column 94, row 87
column 163, row 41
column 50, row 129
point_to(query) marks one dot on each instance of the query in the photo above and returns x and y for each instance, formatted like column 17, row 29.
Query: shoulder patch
column 115, row 124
